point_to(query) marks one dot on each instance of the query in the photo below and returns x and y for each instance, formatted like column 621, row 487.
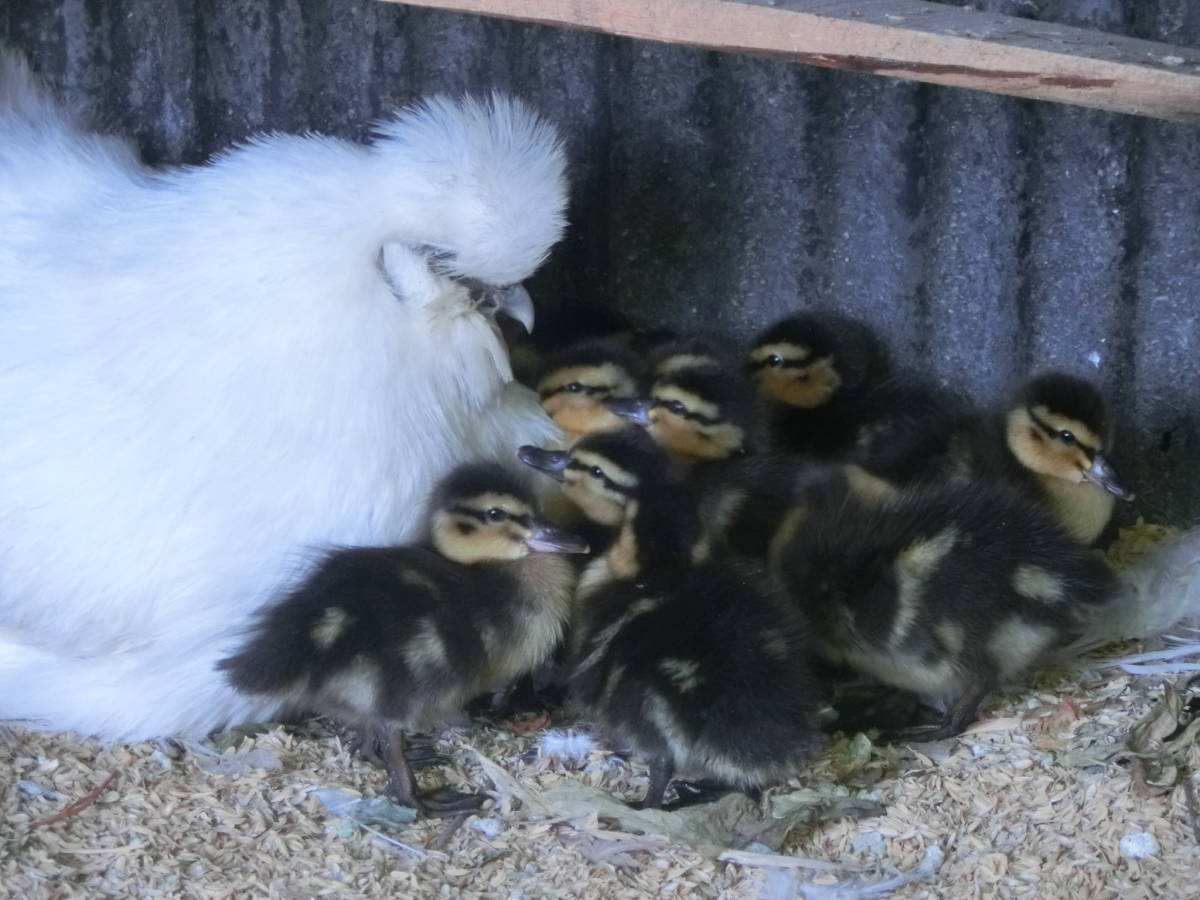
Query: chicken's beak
column 546, row 538
column 514, row 301
column 1102, row 473
column 551, row 462
column 636, row 410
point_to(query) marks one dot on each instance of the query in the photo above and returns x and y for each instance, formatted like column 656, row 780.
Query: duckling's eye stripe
column 687, row 414
column 784, row 364
column 523, row 520
column 470, row 512
column 1051, row 431
column 605, row 480
column 588, row 389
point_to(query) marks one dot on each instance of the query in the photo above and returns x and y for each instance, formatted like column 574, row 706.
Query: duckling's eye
column 676, row 407
column 496, row 514
column 774, row 360
column 1066, row 437
column 596, row 472
column 573, row 388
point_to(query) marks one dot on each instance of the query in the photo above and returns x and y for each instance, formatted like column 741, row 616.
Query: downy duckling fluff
column 833, row 396
column 948, row 591
column 391, row 639
column 575, row 383
column 697, row 667
column 1052, row 443
column 705, row 418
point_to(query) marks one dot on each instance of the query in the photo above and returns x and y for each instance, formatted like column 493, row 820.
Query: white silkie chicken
column 208, row 374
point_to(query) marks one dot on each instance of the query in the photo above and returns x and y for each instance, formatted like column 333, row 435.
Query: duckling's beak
column 552, row 462
column 635, row 409
column 514, row 301
column 546, row 538
column 1103, row 474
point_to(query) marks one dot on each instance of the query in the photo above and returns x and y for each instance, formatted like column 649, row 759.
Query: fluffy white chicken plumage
column 208, row 373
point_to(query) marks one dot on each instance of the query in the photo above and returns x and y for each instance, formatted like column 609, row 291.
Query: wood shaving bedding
column 1038, row 799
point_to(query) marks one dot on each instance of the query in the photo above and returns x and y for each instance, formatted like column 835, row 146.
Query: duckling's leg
column 402, row 784
column 661, row 770
column 958, row 717
column 370, row 743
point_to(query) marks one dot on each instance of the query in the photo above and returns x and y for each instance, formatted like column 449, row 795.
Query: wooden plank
column 901, row 38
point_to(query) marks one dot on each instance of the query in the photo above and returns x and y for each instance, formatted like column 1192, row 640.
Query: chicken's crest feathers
column 500, row 171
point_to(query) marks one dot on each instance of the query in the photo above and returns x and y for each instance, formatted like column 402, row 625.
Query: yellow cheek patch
column 786, row 386
column 580, row 414
column 1041, row 453
column 693, row 441
column 596, row 503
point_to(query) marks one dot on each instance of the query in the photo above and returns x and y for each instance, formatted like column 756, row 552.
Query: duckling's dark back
column 978, row 554
column 380, row 613
column 705, row 664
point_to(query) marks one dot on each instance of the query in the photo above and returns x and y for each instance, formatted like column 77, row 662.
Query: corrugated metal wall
column 985, row 235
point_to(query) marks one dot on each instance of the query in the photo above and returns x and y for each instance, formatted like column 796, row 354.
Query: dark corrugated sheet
column 986, row 235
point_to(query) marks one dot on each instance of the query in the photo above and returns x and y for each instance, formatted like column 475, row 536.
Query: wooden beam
column 902, row 38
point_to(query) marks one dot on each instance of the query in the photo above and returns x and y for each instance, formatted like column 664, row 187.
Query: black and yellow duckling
column 697, row 667
column 701, row 413
column 389, row 639
column 833, row 395
column 575, row 382
column 1052, row 442
column 707, row 418
column 947, row 591
column 814, row 368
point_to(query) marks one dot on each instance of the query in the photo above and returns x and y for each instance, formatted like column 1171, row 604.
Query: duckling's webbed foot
column 370, row 744
column 424, row 755
column 694, row 793
column 874, row 706
column 446, row 801
column 957, row 719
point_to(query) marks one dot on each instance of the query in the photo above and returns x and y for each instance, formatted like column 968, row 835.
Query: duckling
column 707, row 418
column 813, row 368
column 575, row 382
column 834, row 396
column 1052, row 442
column 389, row 639
column 701, row 413
column 945, row 590
column 695, row 666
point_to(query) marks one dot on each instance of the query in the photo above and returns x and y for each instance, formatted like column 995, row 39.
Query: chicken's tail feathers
column 129, row 696
column 1157, row 598
column 26, row 101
